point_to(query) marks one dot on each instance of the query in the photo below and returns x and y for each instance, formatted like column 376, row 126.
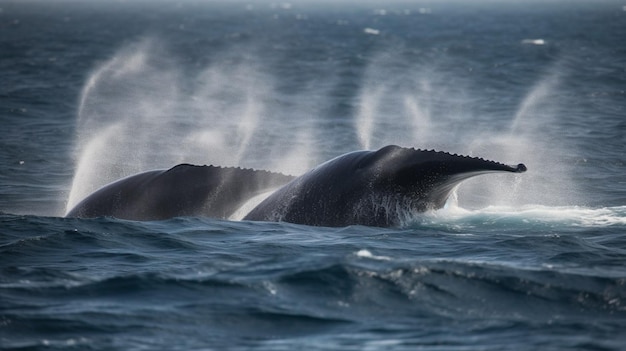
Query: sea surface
column 91, row 91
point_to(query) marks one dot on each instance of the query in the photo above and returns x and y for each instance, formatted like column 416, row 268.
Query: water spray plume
column 437, row 116
column 366, row 118
column 139, row 111
column 418, row 118
column 133, row 116
column 530, row 138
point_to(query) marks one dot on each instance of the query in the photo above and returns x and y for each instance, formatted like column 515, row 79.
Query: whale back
column 183, row 190
column 374, row 188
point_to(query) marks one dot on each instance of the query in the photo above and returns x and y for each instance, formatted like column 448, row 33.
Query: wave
column 226, row 281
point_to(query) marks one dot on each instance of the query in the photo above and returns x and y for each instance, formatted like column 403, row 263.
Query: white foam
column 371, row 31
column 534, row 42
column 533, row 214
column 367, row 254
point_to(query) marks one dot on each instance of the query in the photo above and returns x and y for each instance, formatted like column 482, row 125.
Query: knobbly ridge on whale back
column 373, row 188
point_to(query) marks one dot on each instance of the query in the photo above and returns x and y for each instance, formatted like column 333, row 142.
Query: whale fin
column 434, row 174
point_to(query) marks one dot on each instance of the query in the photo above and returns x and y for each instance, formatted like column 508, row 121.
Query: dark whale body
column 183, row 190
column 373, row 188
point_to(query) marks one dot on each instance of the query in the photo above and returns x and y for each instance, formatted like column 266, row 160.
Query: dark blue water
column 93, row 91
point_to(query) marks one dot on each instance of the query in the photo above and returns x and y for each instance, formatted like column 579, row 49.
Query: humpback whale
column 372, row 188
column 183, row 190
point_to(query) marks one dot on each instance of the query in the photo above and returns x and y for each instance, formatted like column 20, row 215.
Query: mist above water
column 142, row 109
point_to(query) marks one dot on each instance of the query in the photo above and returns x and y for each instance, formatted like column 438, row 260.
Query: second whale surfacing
column 372, row 188
column 183, row 190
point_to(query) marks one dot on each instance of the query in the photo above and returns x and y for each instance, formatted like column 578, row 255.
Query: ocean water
column 91, row 91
